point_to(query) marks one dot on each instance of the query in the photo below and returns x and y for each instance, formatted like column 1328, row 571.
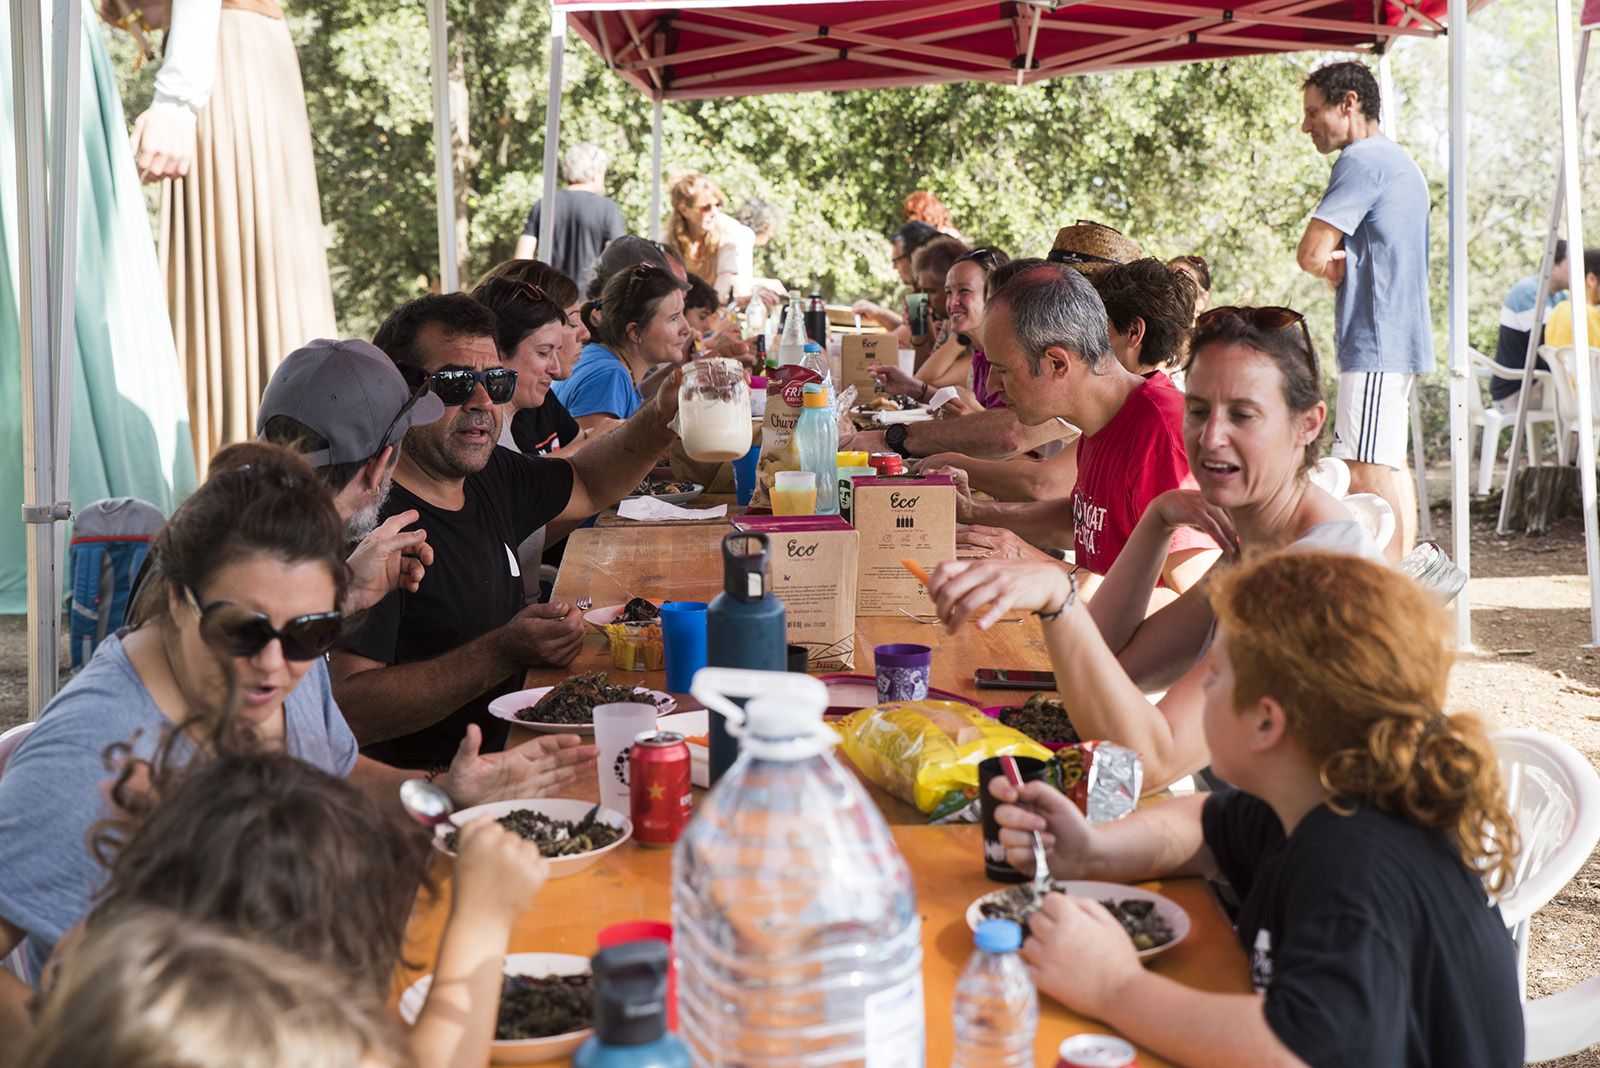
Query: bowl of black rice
column 546, row 1007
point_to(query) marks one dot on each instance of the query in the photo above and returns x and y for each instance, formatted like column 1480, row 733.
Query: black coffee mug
column 994, row 854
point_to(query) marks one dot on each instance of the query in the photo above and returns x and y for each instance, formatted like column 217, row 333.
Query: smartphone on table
column 1013, row 679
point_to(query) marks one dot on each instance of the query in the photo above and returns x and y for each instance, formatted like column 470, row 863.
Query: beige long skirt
column 242, row 245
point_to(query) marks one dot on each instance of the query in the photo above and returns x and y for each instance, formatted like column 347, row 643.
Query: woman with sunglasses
column 717, row 247
column 531, row 332
column 1253, row 415
column 253, row 572
column 561, row 289
column 638, row 325
column 959, row 361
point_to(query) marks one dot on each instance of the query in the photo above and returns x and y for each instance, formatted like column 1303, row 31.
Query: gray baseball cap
column 350, row 393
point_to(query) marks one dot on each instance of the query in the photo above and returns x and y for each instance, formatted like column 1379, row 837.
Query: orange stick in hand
column 917, row 571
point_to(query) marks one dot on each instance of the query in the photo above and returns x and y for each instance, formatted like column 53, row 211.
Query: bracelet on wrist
column 1071, row 599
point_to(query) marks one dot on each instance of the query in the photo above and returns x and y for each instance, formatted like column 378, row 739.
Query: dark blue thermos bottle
column 744, row 629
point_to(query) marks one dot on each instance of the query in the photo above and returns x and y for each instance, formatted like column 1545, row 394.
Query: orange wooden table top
column 683, row 563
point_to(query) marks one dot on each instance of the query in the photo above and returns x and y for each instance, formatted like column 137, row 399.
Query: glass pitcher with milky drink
column 714, row 410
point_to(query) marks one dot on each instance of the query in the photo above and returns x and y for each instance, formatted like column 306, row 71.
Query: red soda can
column 1096, row 1051
column 659, row 797
column 887, row 463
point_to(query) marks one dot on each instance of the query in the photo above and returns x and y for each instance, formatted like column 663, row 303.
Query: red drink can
column 1096, row 1051
column 887, row 463
column 659, row 797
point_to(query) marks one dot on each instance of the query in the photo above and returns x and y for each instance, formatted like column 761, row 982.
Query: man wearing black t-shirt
column 421, row 666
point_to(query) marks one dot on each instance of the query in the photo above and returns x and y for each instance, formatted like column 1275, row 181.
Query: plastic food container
column 636, row 646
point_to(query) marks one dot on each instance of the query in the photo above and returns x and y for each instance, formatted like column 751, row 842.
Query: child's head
column 266, row 846
column 1348, row 661
column 700, row 304
column 155, row 989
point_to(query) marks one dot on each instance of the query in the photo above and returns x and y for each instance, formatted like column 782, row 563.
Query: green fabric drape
column 130, row 421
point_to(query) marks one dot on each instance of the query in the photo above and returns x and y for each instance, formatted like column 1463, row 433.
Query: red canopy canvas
column 721, row 48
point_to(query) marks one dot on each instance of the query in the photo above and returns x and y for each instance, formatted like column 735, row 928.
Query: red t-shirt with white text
column 1123, row 467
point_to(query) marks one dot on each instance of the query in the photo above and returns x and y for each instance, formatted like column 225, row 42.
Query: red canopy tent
column 736, row 49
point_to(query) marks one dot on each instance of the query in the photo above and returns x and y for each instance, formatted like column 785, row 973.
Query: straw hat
column 1090, row 245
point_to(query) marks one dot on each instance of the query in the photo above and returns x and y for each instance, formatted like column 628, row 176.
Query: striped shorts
column 1373, row 420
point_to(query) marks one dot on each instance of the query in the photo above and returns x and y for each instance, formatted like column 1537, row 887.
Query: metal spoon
column 426, row 803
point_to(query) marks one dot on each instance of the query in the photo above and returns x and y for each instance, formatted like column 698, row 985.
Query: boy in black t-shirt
column 1364, row 833
column 417, row 673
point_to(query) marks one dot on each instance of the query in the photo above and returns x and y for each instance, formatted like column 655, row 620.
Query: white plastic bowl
column 556, row 809
column 1170, row 910
column 526, row 1050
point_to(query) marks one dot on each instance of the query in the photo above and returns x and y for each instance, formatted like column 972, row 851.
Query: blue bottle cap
column 998, row 936
column 812, row 346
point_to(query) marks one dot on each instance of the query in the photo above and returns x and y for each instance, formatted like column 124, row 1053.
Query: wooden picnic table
column 683, row 562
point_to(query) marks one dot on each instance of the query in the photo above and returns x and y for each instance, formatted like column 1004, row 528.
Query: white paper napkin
column 648, row 508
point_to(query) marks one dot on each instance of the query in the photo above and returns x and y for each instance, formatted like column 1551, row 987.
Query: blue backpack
column 110, row 540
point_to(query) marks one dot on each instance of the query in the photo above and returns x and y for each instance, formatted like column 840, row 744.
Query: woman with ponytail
column 1365, row 837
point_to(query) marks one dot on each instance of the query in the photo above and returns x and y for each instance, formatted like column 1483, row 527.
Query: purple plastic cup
column 903, row 671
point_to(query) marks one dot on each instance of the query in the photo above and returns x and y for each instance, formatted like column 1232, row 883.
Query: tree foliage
column 1203, row 158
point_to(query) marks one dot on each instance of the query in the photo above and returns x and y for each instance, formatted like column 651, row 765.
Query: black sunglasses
column 455, row 387
column 241, row 632
column 1272, row 317
column 986, row 258
column 417, row 381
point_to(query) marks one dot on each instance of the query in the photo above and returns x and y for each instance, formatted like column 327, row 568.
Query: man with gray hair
column 586, row 219
column 1050, row 358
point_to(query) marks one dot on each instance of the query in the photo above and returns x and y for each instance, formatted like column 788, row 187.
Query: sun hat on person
column 1091, row 246
column 351, row 394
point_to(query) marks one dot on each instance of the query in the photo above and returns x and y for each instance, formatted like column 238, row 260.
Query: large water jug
column 794, row 919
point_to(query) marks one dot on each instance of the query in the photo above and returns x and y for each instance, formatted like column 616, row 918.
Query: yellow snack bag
column 928, row 752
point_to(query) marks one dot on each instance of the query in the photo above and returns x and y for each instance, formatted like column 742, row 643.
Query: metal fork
column 928, row 617
column 1041, row 867
column 585, row 603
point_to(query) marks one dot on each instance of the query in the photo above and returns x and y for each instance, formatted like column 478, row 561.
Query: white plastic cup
column 615, row 727
column 907, row 358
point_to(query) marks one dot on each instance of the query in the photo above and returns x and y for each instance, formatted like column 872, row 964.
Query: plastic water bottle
column 816, row 442
column 996, row 1009
column 815, row 360
column 794, row 918
column 792, row 334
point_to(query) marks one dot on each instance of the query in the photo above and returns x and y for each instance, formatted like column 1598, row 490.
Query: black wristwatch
column 895, row 438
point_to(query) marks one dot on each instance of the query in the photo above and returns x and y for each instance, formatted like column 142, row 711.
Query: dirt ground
column 1527, row 668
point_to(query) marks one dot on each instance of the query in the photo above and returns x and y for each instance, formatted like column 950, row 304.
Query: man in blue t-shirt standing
column 1369, row 240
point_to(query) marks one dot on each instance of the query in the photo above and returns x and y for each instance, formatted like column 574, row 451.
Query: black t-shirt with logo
column 541, row 431
column 471, row 588
column 1373, row 943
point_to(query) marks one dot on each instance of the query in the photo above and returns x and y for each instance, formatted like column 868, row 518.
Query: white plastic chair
column 15, row 962
column 1565, row 383
column 1374, row 515
column 1493, row 421
column 1554, row 795
column 1331, row 475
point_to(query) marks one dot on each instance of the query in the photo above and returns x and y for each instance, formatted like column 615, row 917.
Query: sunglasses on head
column 240, row 632
column 1271, row 318
column 455, row 386
column 986, row 258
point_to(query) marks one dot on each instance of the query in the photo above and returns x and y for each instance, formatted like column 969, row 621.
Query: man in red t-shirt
column 1046, row 330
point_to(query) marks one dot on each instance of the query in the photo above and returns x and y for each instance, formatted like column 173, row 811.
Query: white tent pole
column 39, row 509
column 552, row 134
column 444, row 189
column 1566, row 84
column 1460, row 365
column 655, row 170
column 1530, row 361
column 63, row 199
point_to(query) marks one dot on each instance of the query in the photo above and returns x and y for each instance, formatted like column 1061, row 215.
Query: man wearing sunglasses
column 1368, row 239
column 424, row 664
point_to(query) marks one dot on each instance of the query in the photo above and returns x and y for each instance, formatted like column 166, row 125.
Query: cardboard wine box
column 812, row 570
column 858, row 352
column 901, row 518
